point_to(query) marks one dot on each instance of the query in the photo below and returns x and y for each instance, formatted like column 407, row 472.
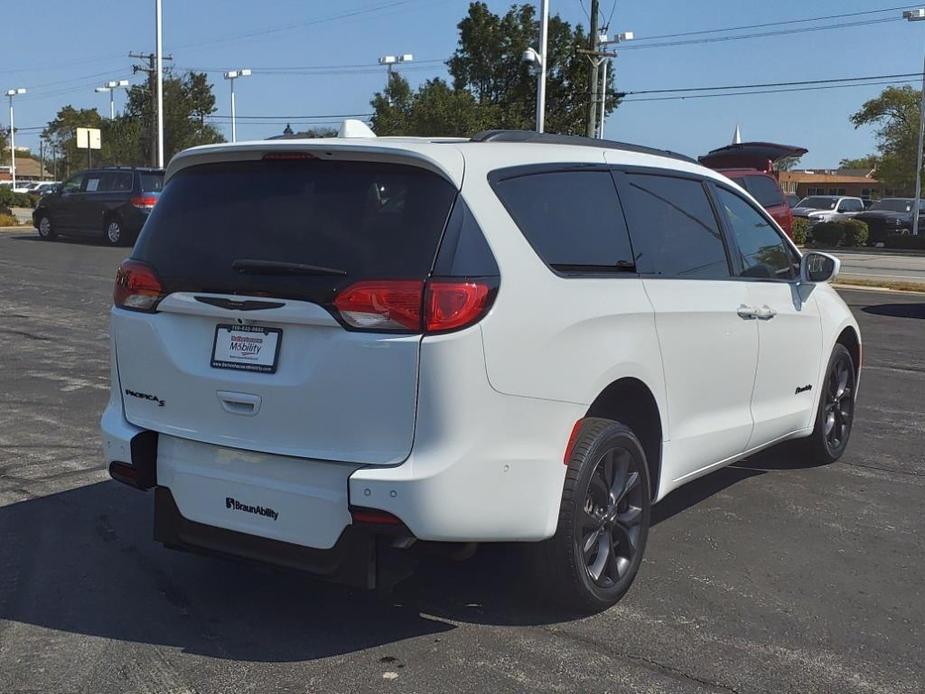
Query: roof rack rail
column 531, row 136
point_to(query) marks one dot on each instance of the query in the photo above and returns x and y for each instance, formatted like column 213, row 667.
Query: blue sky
column 62, row 49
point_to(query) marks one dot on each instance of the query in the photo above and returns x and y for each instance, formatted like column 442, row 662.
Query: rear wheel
column 46, row 230
column 835, row 416
column 114, row 234
column 603, row 519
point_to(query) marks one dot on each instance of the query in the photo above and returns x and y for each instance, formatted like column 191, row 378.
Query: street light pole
column 605, row 57
column 541, row 77
column 111, row 87
column 11, row 93
column 231, row 76
column 159, row 67
column 917, row 16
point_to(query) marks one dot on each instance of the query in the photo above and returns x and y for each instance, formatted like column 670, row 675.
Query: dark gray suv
column 111, row 204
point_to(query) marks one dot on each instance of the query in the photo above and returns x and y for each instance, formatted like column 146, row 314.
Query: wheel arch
column 631, row 402
column 852, row 342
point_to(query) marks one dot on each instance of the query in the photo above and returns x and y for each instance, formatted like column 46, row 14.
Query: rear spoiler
column 750, row 155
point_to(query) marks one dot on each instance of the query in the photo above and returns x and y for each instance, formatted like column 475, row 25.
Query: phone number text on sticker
column 246, row 348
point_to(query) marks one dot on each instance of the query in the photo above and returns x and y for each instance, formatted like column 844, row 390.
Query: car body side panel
column 485, row 466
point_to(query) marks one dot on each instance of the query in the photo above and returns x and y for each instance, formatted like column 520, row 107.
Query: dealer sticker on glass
column 246, row 348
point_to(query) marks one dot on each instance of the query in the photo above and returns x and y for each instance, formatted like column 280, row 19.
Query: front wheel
column 835, row 416
column 603, row 519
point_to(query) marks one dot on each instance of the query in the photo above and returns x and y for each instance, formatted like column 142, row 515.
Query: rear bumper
column 356, row 559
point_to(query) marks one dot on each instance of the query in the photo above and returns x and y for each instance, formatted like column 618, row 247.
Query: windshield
column 894, row 205
column 818, row 203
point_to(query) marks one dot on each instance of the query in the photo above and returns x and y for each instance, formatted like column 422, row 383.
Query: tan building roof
column 25, row 168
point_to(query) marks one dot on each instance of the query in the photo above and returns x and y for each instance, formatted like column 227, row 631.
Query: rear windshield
column 151, row 182
column 764, row 190
column 368, row 220
column 818, row 203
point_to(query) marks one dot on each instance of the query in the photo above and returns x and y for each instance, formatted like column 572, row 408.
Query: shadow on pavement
column 911, row 310
column 84, row 561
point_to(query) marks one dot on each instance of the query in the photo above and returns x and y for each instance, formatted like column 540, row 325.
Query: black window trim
column 622, row 183
column 497, row 176
column 739, row 263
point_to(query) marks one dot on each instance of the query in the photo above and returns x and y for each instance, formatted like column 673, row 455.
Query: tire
column 114, row 232
column 45, row 228
column 595, row 554
column 835, row 414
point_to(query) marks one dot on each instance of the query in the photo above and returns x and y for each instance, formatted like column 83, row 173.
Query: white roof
column 447, row 156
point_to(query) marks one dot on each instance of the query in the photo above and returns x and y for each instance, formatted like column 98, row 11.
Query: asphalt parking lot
column 763, row 577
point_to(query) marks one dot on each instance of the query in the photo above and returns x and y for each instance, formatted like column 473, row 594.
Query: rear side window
column 573, row 219
column 764, row 253
column 360, row 220
column 673, row 228
column 116, row 182
column 764, row 190
column 91, row 182
column 151, row 182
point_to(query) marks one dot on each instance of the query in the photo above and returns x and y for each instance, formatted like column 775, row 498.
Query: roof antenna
column 737, row 137
column 355, row 128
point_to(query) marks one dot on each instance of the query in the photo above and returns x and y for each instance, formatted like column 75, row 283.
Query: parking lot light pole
column 231, row 76
column 159, row 66
column 918, row 16
column 111, row 87
column 11, row 93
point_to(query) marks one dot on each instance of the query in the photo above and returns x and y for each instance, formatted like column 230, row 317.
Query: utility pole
column 42, row 158
column 11, row 93
column 595, row 62
column 151, row 69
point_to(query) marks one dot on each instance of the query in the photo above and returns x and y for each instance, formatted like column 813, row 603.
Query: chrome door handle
column 765, row 313
column 747, row 312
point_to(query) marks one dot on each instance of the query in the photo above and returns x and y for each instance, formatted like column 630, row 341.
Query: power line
column 299, row 25
column 295, row 118
column 766, row 91
column 771, row 24
column 774, row 84
column 739, row 37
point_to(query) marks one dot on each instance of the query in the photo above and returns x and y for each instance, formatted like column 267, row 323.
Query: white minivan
column 328, row 352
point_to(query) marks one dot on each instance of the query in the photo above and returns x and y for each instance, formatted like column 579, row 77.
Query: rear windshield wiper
column 250, row 266
column 619, row 266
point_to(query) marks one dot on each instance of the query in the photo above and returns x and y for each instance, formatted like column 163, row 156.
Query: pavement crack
column 644, row 661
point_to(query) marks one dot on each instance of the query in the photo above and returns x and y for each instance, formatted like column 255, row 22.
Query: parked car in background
column 110, row 204
column 327, row 352
column 751, row 165
column 45, row 187
column 890, row 216
column 25, row 186
column 828, row 208
column 792, row 199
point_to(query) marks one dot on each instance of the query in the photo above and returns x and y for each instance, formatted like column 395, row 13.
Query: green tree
column 492, row 87
column 895, row 113
column 128, row 139
column 4, row 145
column 871, row 161
column 188, row 101
column 62, row 135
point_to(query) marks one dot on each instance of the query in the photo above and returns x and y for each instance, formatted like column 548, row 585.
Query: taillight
column 382, row 304
column 414, row 306
column 450, row 305
column 137, row 287
column 144, row 202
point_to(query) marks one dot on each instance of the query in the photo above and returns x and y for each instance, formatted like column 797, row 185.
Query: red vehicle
column 751, row 165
